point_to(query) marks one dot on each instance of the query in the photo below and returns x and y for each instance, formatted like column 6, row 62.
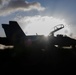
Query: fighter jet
column 16, row 35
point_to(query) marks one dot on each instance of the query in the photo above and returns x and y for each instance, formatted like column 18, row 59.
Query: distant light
column 2, row 47
column 46, row 35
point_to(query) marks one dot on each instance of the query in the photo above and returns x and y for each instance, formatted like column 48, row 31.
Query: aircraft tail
column 13, row 31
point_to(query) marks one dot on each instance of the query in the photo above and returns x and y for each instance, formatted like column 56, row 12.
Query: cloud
column 40, row 24
column 9, row 6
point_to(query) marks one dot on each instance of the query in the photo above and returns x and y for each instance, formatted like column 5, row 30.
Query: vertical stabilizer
column 13, row 31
